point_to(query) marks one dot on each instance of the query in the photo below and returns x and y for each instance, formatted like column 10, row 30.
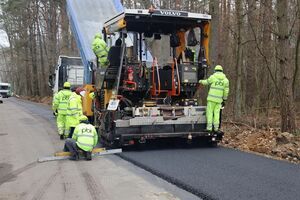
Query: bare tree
column 297, row 53
column 238, row 61
column 214, row 43
column 251, row 97
column 261, row 62
column 286, row 69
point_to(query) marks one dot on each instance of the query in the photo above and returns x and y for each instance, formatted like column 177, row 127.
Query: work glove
column 200, row 81
column 223, row 103
column 55, row 113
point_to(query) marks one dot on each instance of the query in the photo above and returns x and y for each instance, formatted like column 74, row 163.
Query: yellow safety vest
column 86, row 136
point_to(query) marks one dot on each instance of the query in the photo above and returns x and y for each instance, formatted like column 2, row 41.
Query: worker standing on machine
column 84, row 138
column 74, row 109
column 100, row 49
column 59, row 107
column 217, row 96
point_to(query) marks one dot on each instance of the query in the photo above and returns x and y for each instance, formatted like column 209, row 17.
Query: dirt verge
column 271, row 143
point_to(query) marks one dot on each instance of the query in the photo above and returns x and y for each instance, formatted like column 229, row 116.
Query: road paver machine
column 148, row 90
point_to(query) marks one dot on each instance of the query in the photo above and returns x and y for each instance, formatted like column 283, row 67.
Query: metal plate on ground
column 101, row 153
column 64, row 153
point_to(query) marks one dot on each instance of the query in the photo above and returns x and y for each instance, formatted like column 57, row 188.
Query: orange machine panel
column 87, row 101
column 205, row 41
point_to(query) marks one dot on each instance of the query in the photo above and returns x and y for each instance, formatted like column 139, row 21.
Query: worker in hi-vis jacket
column 59, row 107
column 74, row 109
column 217, row 96
column 84, row 138
column 100, row 49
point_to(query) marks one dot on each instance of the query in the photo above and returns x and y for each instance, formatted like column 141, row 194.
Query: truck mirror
column 157, row 36
column 50, row 81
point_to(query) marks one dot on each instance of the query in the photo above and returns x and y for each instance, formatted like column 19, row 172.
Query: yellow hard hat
column 83, row 118
column 98, row 35
column 218, row 68
column 67, row 85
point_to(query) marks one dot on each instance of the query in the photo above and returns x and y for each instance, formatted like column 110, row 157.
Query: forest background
column 256, row 41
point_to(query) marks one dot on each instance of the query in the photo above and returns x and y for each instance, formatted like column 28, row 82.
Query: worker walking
column 100, row 49
column 74, row 109
column 59, row 105
column 84, row 138
column 217, row 96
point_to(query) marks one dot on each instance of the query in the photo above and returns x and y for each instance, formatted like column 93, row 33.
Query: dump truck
column 5, row 90
column 67, row 69
column 85, row 21
column 136, row 99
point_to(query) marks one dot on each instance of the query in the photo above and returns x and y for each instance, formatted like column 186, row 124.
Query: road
column 209, row 173
column 28, row 132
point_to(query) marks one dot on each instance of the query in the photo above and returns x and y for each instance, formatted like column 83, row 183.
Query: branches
column 264, row 57
column 32, row 36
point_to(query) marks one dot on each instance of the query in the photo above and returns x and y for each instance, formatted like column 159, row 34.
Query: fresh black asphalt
column 222, row 173
column 212, row 173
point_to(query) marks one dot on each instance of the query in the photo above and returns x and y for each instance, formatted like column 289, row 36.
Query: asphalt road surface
column 211, row 173
column 27, row 132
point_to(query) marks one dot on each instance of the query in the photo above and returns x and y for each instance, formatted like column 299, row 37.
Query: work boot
column 74, row 157
column 61, row 137
column 218, row 132
column 88, row 155
column 66, row 149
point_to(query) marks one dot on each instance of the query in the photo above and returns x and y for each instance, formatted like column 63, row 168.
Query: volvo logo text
column 170, row 13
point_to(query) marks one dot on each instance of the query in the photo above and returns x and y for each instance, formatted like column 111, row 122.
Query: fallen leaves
column 272, row 142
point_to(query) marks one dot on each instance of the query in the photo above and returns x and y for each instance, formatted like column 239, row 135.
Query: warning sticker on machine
column 113, row 104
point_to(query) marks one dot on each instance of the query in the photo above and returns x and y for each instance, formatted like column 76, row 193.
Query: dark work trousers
column 71, row 146
column 71, row 132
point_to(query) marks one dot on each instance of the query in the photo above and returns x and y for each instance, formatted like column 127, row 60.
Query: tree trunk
column 286, row 97
column 214, row 40
column 43, row 77
column 26, row 80
column 52, row 28
column 33, row 54
column 251, row 56
column 264, row 76
column 297, row 56
column 238, row 63
column 65, row 47
column 297, row 63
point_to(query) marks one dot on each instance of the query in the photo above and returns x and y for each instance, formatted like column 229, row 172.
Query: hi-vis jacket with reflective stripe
column 219, row 87
column 86, row 136
column 100, row 48
column 60, row 101
column 74, row 110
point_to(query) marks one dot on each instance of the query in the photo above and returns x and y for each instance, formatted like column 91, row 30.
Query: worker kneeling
column 84, row 138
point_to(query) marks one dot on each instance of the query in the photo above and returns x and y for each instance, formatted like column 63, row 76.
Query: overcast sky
column 3, row 43
column 3, row 39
